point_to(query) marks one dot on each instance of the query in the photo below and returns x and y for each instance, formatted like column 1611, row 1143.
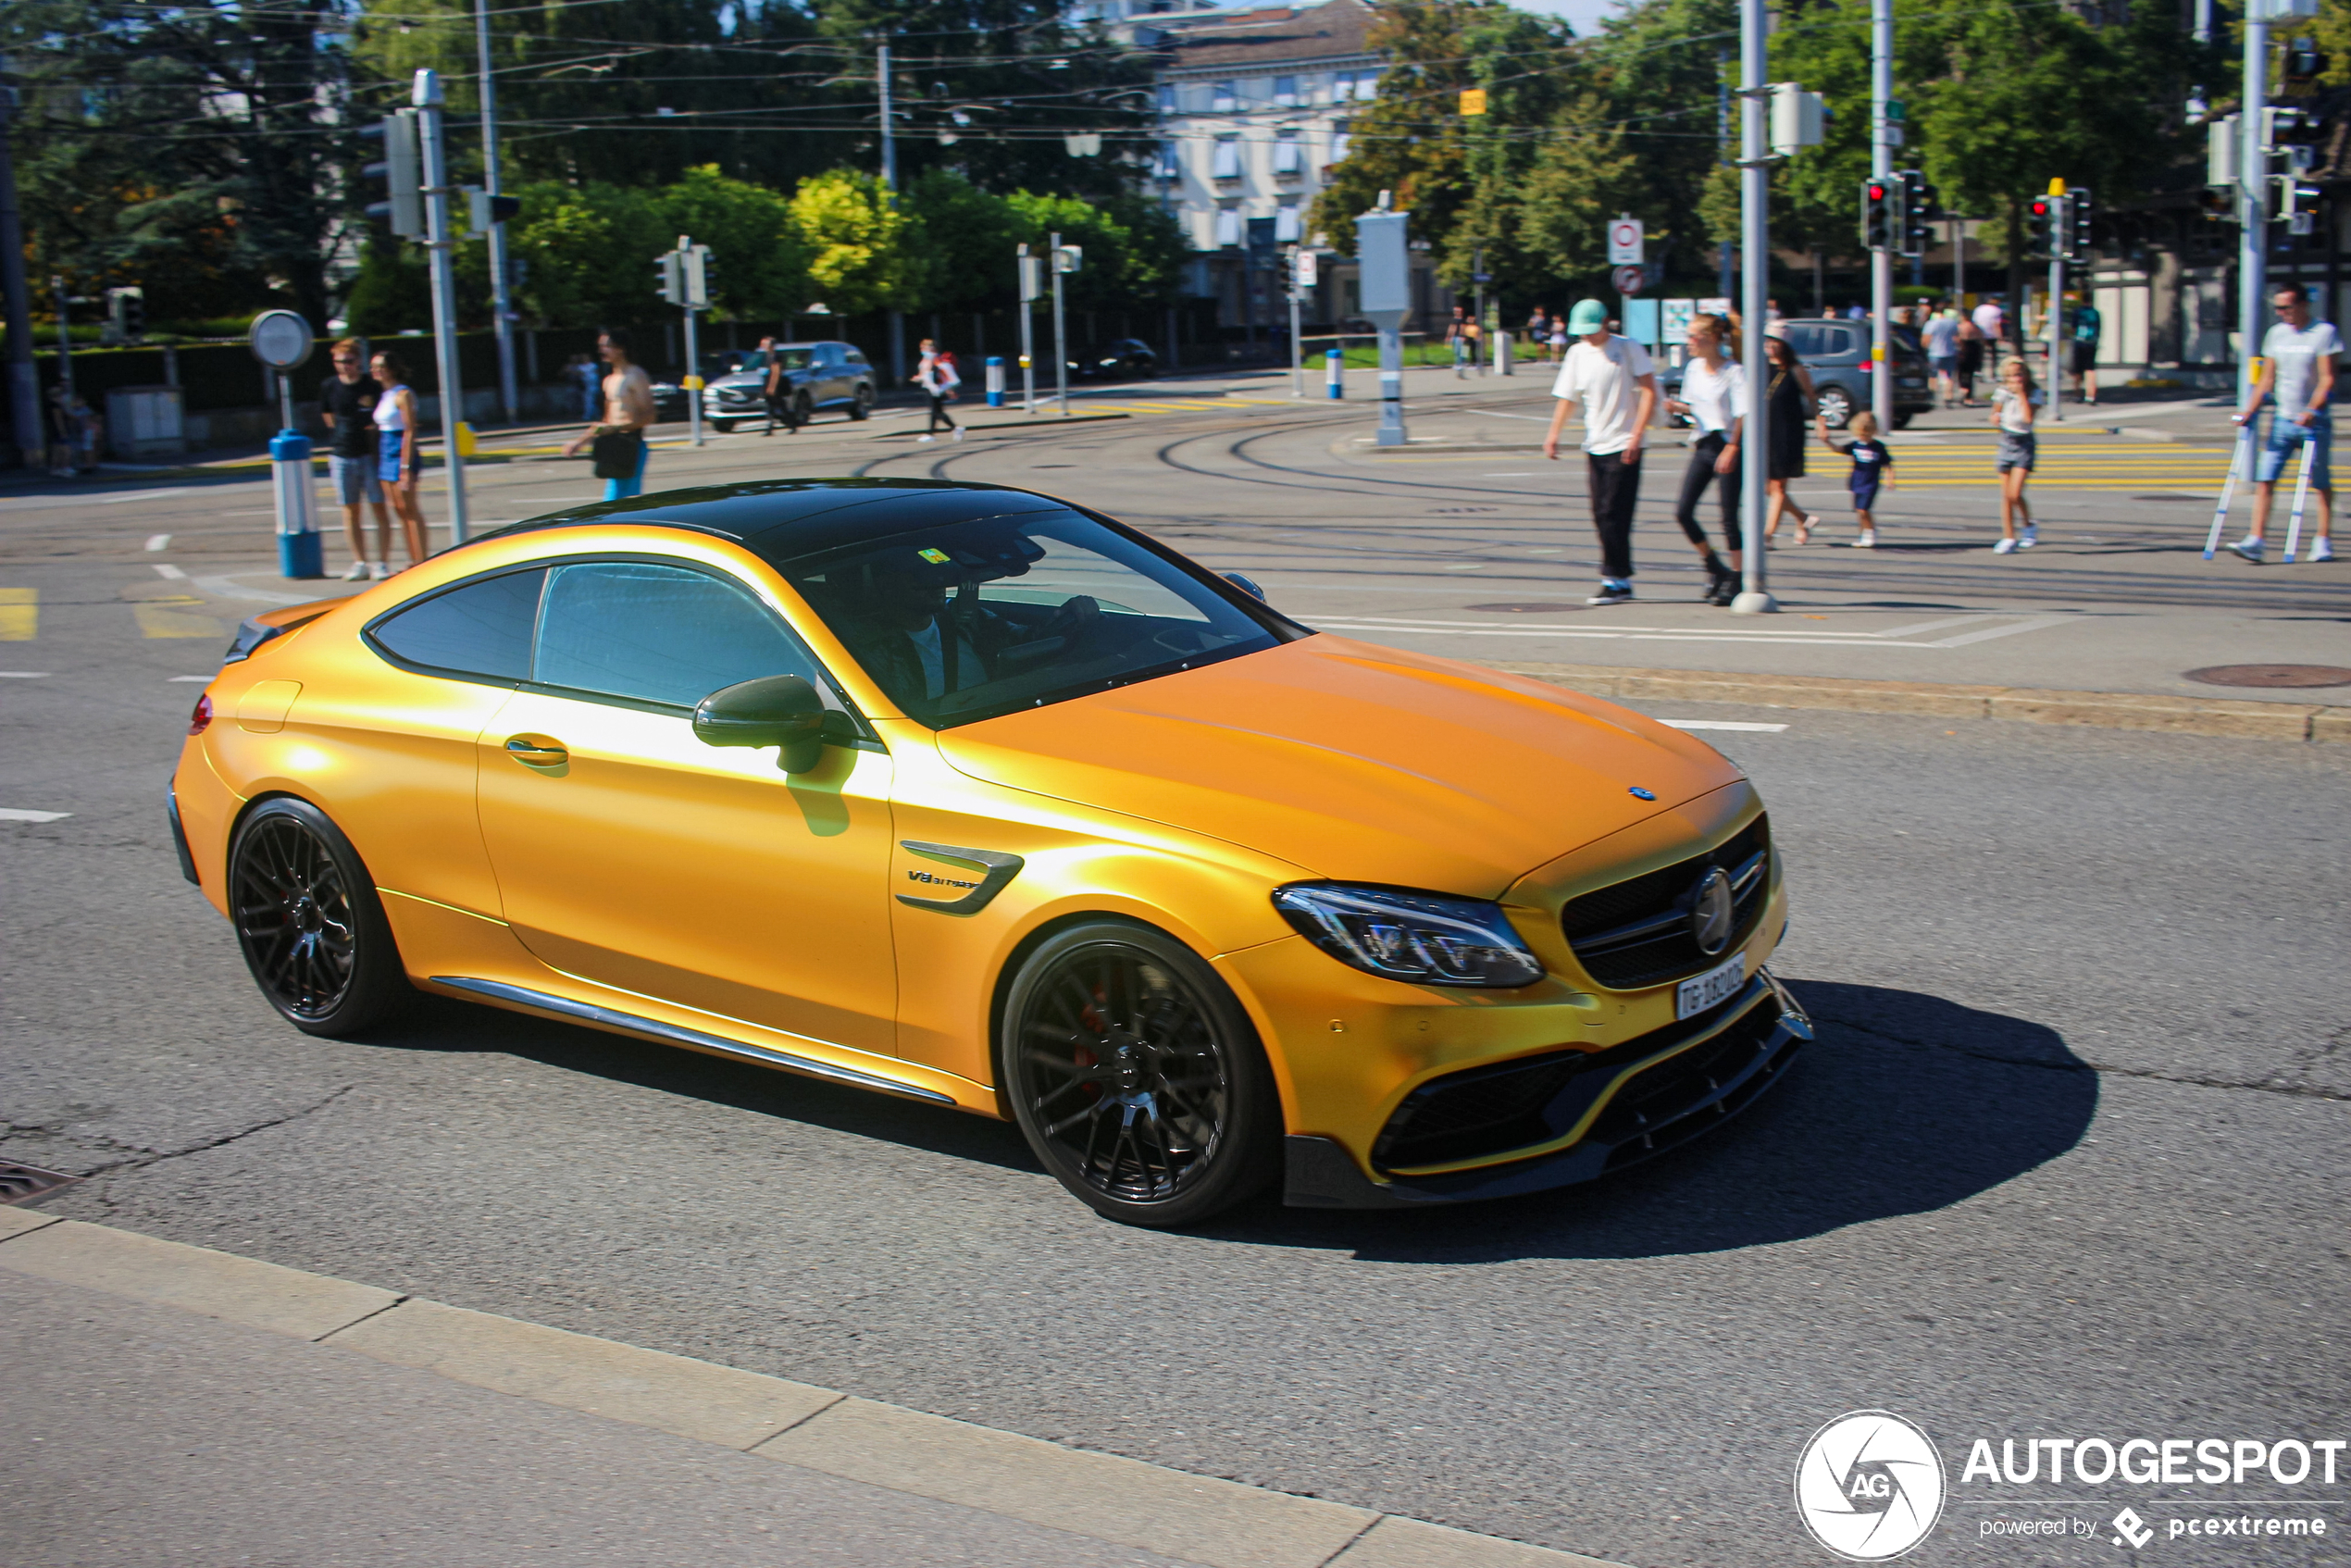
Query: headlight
column 1426, row 939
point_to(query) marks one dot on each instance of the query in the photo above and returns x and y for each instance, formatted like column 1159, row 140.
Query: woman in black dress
column 1788, row 393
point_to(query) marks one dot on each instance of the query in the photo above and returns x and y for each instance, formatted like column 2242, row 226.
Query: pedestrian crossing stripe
column 19, row 613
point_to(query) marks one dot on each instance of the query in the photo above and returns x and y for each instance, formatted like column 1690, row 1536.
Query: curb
column 1124, row 1501
column 2227, row 717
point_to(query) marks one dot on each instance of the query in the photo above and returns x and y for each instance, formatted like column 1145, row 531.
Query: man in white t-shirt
column 2297, row 368
column 1613, row 380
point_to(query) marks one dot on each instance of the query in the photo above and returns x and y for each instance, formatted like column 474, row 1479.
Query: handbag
column 618, row 455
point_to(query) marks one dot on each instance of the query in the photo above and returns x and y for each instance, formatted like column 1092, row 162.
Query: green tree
column 964, row 237
column 1134, row 252
column 863, row 254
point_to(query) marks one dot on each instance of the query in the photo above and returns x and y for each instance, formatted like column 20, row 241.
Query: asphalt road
column 2070, row 1157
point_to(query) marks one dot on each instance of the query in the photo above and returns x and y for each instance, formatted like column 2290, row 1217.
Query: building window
column 1228, row 164
column 1339, row 140
column 1171, row 161
column 1342, row 86
column 1285, row 229
column 1222, row 99
column 1228, row 226
column 1285, row 160
column 1167, row 97
column 1285, row 92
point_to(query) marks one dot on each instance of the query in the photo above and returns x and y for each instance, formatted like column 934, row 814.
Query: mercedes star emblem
column 1711, row 912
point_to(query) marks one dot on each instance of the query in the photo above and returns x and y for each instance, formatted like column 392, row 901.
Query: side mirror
column 774, row 710
column 1245, row 586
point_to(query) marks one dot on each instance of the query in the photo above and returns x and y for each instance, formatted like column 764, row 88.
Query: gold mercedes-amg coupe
column 974, row 796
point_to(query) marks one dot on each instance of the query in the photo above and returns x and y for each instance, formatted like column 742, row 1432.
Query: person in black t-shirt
column 347, row 400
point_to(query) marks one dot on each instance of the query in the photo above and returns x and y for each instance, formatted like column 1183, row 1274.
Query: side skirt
column 612, row 1018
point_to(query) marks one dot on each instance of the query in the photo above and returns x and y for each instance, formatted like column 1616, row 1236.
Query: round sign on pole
column 1629, row 280
column 280, row 339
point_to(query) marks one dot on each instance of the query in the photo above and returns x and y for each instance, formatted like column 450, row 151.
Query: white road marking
column 12, row 813
column 159, row 541
column 1466, row 566
column 165, row 568
column 230, row 588
column 203, row 678
column 1967, row 637
column 1721, row 723
column 41, row 502
column 24, row 675
column 1527, row 476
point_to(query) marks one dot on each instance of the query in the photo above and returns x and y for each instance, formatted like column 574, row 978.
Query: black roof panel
column 779, row 517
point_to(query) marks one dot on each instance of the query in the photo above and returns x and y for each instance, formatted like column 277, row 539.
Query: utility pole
column 2253, row 210
column 2060, row 236
column 1726, row 254
column 501, row 306
column 65, row 334
column 1883, row 132
column 685, row 282
column 1755, row 257
column 1301, row 268
column 439, row 240
column 1062, row 263
column 15, row 298
column 889, row 199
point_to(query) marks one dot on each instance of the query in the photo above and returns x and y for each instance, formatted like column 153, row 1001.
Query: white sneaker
column 2322, row 551
column 2029, row 537
column 2250, row 548
column 379, row 569
column 2006, row 547
column 959, row 432
column 358, row 572
column 1868, row 540
column 926, row 438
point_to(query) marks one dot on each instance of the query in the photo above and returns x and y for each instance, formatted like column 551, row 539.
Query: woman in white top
column 937, row 378
column 1714, row 396
column 398, row 467
column 2012, row 410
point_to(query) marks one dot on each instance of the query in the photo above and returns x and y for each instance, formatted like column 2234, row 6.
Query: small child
column 1872, row 465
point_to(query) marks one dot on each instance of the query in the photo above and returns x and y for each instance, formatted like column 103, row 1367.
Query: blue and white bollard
column 1334, row 362
column 297, row 507
column 996, row 382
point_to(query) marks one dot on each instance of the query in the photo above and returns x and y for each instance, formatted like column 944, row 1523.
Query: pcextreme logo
column 1870, row 1485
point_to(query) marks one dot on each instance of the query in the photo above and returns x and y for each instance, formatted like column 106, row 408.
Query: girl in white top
column 1714, row 396
column 937, row 378
column 2012, row 411
column 398, row 469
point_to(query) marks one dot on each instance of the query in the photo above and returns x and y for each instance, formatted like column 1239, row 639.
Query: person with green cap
column 1615, row 382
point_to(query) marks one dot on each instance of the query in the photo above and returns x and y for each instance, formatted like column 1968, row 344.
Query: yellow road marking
column 19, row 613
column 169, row 620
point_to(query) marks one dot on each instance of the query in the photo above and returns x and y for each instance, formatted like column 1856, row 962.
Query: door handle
column 537, row 751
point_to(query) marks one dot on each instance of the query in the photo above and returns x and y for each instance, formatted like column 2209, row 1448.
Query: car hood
column 740, row 379
column 1356, row 762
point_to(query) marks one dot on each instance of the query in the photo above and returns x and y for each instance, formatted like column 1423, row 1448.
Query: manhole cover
column 1524, row 609
column 2172, row 497
column 21, row 1182
column 2272, row 675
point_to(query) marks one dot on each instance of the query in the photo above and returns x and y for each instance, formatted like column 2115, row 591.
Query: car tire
column 861, row 404
column 1837, row 406
column 307, row 918
column 1903, row 417
column 723, row 427
column 1136, row 1077
column 802, row 410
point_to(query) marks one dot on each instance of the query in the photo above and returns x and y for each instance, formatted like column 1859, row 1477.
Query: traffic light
column 1918, row 211
column 2080, row 208
column 1878, row 206
column 482, row 209
column 2302, row 61
column 2044, row 226
column 129, row 307
column 402, row 172
column 695, row 262
column 2297, row 202
column 670, row 268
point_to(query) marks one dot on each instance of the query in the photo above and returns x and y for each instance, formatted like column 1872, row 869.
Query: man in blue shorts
column 2298, row 368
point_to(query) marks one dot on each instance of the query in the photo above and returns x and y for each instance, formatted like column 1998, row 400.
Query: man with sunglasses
column 347, row 401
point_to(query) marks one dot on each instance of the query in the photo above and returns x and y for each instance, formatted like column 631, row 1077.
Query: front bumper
column 1641, row 1104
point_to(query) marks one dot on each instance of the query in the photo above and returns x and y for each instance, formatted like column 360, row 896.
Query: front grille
column 1517, row 1104
column 1637, row 932
column 1647, row 1114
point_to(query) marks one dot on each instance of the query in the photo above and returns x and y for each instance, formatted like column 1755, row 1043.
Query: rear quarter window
column 480, row 628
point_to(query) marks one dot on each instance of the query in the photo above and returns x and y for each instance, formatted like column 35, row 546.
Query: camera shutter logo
column 1870, row 1485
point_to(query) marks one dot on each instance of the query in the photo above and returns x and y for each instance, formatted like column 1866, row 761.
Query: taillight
column 201, row 718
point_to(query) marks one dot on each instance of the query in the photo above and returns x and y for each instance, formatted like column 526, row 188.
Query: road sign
column 1624, row 242
column 280, row 339
column 1630, row 279
column 1303, row 279
column 1678, row 313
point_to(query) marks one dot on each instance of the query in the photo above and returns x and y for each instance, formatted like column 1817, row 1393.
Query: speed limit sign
column 1629, row 280
column 1624, row 242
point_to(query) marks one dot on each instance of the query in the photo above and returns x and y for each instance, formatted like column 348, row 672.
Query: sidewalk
column 170, row 1403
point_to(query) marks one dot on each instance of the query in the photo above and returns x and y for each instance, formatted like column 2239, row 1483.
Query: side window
column 1804, row 340
column 481, row 629
column 658, row 634
column 855, row 357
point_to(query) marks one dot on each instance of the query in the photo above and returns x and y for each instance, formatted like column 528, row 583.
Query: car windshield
column 967, row 621
column 756, row 359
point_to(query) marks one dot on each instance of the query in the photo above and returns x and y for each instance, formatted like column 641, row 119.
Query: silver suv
column 820, row 375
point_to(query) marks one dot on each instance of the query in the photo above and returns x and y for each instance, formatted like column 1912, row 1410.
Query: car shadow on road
column 1906, row 1103
column 435, row 1023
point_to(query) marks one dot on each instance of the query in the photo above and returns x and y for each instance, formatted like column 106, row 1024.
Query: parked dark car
column 1836, row 351
column 823, row 375
column 1120, row 357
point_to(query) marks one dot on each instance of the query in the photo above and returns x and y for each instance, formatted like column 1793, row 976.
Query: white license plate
column 1718, row 984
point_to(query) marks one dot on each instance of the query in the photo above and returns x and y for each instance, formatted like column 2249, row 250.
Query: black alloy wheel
column 861, row 403
column 313, row 930
column 801, row 411
column 1136, row 1077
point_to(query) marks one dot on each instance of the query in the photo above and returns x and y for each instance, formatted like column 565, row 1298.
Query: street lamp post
column 439, row 240
column 502, row 307
column 1882, row 134
column 1755, row 258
